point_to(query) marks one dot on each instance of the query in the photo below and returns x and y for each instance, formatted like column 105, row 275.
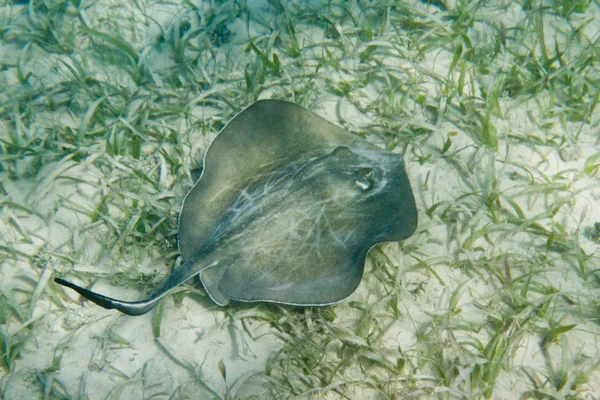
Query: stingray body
column 286, row 209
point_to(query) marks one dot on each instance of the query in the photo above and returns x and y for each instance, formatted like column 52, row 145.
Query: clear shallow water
column 109, row 107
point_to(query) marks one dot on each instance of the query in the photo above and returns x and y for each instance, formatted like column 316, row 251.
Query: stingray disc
column 286, row 209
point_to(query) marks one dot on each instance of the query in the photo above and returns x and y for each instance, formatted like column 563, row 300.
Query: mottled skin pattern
column 291, row 223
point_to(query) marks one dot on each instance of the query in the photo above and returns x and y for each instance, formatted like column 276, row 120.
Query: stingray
column 286, row 209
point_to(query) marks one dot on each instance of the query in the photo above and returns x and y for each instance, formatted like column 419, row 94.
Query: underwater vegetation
column 107, row 109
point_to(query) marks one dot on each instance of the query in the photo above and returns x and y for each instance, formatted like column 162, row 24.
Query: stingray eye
column 364, row 181
column 342, row 152
column 366, row 173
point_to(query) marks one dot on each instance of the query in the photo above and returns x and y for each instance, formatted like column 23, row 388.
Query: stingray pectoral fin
column 126, row 307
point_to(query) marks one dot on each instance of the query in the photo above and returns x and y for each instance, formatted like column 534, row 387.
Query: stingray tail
column 126, row 307
column 181, row 274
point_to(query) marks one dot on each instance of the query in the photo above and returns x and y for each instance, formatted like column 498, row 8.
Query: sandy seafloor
column 68, row 348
